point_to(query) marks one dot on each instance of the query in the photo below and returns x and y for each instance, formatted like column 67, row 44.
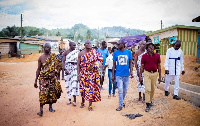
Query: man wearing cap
column 150, row 65
column 173, row 66
column 122, row 61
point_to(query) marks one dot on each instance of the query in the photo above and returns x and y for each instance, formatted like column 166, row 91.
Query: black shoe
column 119, row 108
column 166, row 93
column 148, row 107
column 176, row 97
column 40, row 113
column 151, row 104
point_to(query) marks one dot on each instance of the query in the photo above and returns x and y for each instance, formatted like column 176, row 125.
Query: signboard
column 54, row 46
column 156, row 40
column 172, row 40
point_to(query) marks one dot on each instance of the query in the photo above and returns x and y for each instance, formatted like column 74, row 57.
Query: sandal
column 74, row 103
column 69, row 102
column 140, row 99
column 119, row 108
column 51, row 110
column 90, row 108
column 82, row 105
column 40, row 113
column 109, row 95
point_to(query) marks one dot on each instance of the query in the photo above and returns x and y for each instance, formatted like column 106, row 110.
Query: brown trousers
column 150, row 83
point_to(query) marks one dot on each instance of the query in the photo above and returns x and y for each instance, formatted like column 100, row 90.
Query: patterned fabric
column 141, row 88
column 49, row 85
column 71, row 82
column 90, row 80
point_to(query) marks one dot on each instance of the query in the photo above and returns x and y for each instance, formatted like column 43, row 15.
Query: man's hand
column 66, row 72
column 90, row 68
column 159, row 80
column 166, row 71
column 132, row 75
column 183, row 72
column 35, row 85
column 79, row 78
column 113, row 79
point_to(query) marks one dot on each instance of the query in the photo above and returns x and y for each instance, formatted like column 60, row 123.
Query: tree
column 58, row 34
column 34, row 32
column 10, row 31
column 79, row 37
column 89, row 36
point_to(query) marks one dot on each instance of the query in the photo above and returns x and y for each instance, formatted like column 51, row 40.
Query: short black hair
column 178, row 41
column 103, row 43
column 113, row 48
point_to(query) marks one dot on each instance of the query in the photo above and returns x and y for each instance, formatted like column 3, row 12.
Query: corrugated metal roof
column 172, row 27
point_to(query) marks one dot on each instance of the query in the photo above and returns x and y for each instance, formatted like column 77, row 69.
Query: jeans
column 111, row 84
column 122, row 83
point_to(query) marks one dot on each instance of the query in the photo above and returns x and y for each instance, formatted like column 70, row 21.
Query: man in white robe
column 173, row 65
column 70, row 58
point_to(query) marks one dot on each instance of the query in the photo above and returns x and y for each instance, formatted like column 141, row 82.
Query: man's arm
column 38, row 71
column 78, row 66
column 166, row 65
column 131, row 67
column 64, row 59
column 141, row 71
column 182, row 63
column 113, row 71
column 135, row 62
column 159, row 71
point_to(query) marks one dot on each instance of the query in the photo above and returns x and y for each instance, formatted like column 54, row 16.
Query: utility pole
column 19, row 52
column 161, row 24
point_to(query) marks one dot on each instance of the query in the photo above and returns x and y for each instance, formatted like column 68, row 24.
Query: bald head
column 47, row 44
column 47, row 48
column 72, row 45
column 88, row 44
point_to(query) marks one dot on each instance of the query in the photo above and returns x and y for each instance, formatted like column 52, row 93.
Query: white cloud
column 145, row 14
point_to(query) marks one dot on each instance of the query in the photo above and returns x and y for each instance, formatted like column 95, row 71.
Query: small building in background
column 165, row 38
column 8, row 45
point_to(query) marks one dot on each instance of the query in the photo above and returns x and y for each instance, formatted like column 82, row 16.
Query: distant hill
column 81, row 32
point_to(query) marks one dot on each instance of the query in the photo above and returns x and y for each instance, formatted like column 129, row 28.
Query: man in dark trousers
column 150, row 65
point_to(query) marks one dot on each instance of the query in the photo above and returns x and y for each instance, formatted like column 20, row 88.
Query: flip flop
column 82, row 105
column 90, row 108
column 74, row 103
column 69, row 102
column 40, row 113
column 52, row 110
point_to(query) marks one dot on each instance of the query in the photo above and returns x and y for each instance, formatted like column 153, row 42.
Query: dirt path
column 19, row 105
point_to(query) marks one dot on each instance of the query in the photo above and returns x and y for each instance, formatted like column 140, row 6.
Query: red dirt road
column 19, row 104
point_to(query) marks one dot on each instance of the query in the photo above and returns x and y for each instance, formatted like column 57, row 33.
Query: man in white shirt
column 173, row 64
column 109, row 64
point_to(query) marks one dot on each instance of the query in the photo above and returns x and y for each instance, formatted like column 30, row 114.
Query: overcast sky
column 134, row 14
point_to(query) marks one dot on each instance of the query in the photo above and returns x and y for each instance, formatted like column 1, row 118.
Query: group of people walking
column 85, row 70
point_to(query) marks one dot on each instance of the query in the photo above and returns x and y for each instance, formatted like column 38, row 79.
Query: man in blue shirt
column 122, row 62
column 104, row 52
